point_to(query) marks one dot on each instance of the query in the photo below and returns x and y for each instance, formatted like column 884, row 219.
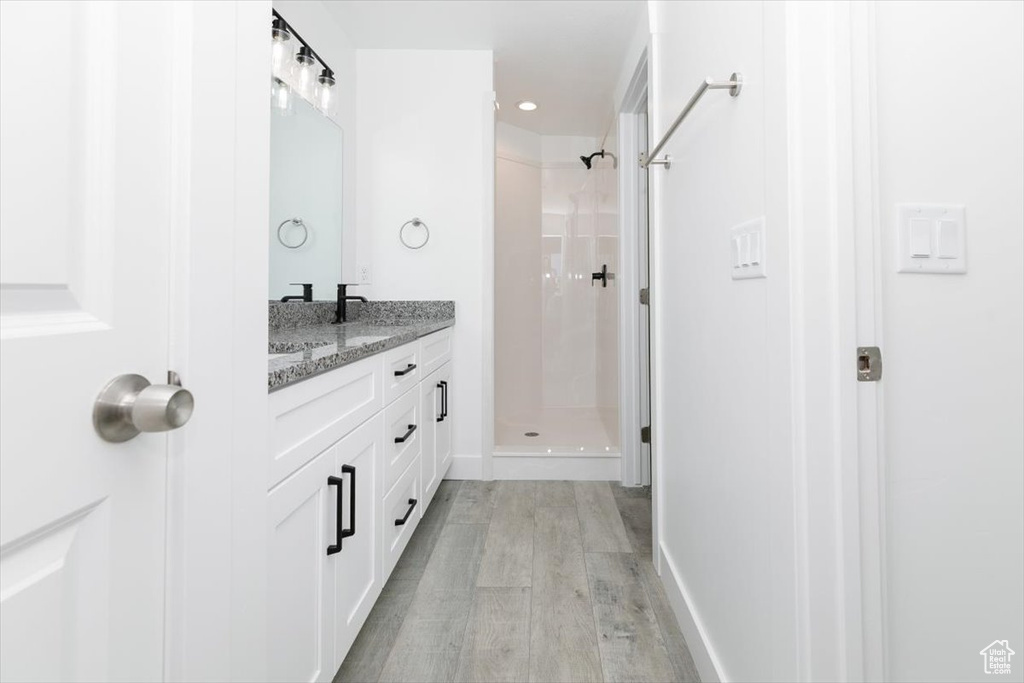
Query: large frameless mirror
column 305, row 200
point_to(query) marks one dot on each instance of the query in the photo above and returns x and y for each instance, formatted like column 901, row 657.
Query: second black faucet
column 340, row 315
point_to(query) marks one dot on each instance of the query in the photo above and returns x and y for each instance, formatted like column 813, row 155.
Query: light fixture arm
column 299, row 38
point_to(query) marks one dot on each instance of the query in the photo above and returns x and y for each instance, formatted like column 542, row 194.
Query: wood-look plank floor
column 525, row 581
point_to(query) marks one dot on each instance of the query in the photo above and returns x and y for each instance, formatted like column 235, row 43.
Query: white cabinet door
column 300, row 587
column 430, row 407
column 85, row 209
column 443, row 429
column 357, row 564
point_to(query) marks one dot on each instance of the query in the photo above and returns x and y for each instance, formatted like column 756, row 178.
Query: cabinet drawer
column 436, row 350
column 310, row 416
column 401, row 515
column 402, row 370
column 403, row 436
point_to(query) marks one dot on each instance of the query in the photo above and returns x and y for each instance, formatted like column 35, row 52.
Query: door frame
column 634, row 102
column 215, row 600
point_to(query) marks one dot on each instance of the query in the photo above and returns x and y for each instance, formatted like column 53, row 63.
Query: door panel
column 300, row 587
column 357, row 567
column 85, row 196
column 430, row 410
column 443, row 430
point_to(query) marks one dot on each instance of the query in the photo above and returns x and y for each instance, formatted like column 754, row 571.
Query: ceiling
column 565, row 55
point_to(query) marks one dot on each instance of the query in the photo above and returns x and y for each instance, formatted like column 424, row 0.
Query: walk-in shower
column 556, row 326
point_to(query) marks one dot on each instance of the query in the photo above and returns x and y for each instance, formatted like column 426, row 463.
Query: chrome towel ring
column 299, row 223
column 416, row 223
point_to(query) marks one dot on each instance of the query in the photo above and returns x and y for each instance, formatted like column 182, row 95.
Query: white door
column 300, row 583
column 85, row 158
column 443, row 429
column 644, row 277
column 356, row 566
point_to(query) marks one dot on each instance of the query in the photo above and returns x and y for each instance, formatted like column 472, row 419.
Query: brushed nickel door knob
column 130, row 405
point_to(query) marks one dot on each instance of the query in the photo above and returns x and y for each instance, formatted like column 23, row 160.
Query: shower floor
column 560, row 430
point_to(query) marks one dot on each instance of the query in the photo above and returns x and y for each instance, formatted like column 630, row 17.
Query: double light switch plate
column 747, row 250
column 931, row 238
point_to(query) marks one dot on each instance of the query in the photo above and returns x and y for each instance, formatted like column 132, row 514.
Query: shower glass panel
column 556, row 329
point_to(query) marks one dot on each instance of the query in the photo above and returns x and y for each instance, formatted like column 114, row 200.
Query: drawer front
column 403, row 436
column 309, row 416
column 401, row 515
column 402, row 370
column 436, row 350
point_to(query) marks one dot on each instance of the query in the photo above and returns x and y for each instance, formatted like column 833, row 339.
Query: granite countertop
column 303, row 351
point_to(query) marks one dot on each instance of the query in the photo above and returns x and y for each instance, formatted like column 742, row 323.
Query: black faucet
column 340, row 315
column 307, row 293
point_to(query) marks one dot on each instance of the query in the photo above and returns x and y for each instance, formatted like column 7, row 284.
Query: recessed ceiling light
column 527, row 105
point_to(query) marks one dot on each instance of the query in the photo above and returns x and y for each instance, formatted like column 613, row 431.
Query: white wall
column 950, row 132
column 425, row 131
column 760, row 465
column 719, row 512
column 318, row 26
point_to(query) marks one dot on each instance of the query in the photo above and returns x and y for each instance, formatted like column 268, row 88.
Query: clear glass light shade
column 325, row 95
column 280, row 97
column 304, row 73
column 281, row 49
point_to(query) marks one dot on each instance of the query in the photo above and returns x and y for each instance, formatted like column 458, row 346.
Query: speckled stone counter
column 302, row 351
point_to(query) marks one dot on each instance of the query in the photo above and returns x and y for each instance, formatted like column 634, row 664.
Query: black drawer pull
column 408, row 513
column 340, row 532
column 443, row 386
column 408, row 368
column 401, row 439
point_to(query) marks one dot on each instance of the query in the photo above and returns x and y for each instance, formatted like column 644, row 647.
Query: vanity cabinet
column 356, row 458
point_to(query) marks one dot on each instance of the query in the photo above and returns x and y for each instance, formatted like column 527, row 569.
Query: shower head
column 587, row 161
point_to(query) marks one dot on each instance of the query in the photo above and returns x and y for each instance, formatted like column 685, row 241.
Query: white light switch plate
column 931, row 238
column 747, row 250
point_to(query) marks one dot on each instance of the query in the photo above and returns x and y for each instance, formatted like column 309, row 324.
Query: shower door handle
column 602, row 276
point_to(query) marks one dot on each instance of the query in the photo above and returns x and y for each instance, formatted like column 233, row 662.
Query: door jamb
column 636, row 95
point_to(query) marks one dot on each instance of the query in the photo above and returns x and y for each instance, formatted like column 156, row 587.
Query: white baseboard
column 708, row 664
column 466, row 467
column 556, row 467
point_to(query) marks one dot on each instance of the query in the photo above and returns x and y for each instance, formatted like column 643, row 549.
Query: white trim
column 465, row 467
column 869, row 398
column 489, row 163
column 629, row 279
column 576, row 467
column 709, row 666
column 216, row 545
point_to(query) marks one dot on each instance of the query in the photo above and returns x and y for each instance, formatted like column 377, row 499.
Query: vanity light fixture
column 308, row 73
column 305, row 71
column 323, row 96
column 281, row 47
column 527, row 105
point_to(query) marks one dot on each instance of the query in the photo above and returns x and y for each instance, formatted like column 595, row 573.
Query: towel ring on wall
column 294, row 221
column 415, row 222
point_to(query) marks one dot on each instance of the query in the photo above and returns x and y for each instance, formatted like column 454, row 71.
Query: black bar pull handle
column 401, row 439
column 408, row 368
column 440, row 418
column 408, row 513
column 444, row 398
column 351, row 530
column 336, row 546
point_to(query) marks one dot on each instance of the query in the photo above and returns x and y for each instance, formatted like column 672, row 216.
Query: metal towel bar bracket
column 733, row 85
